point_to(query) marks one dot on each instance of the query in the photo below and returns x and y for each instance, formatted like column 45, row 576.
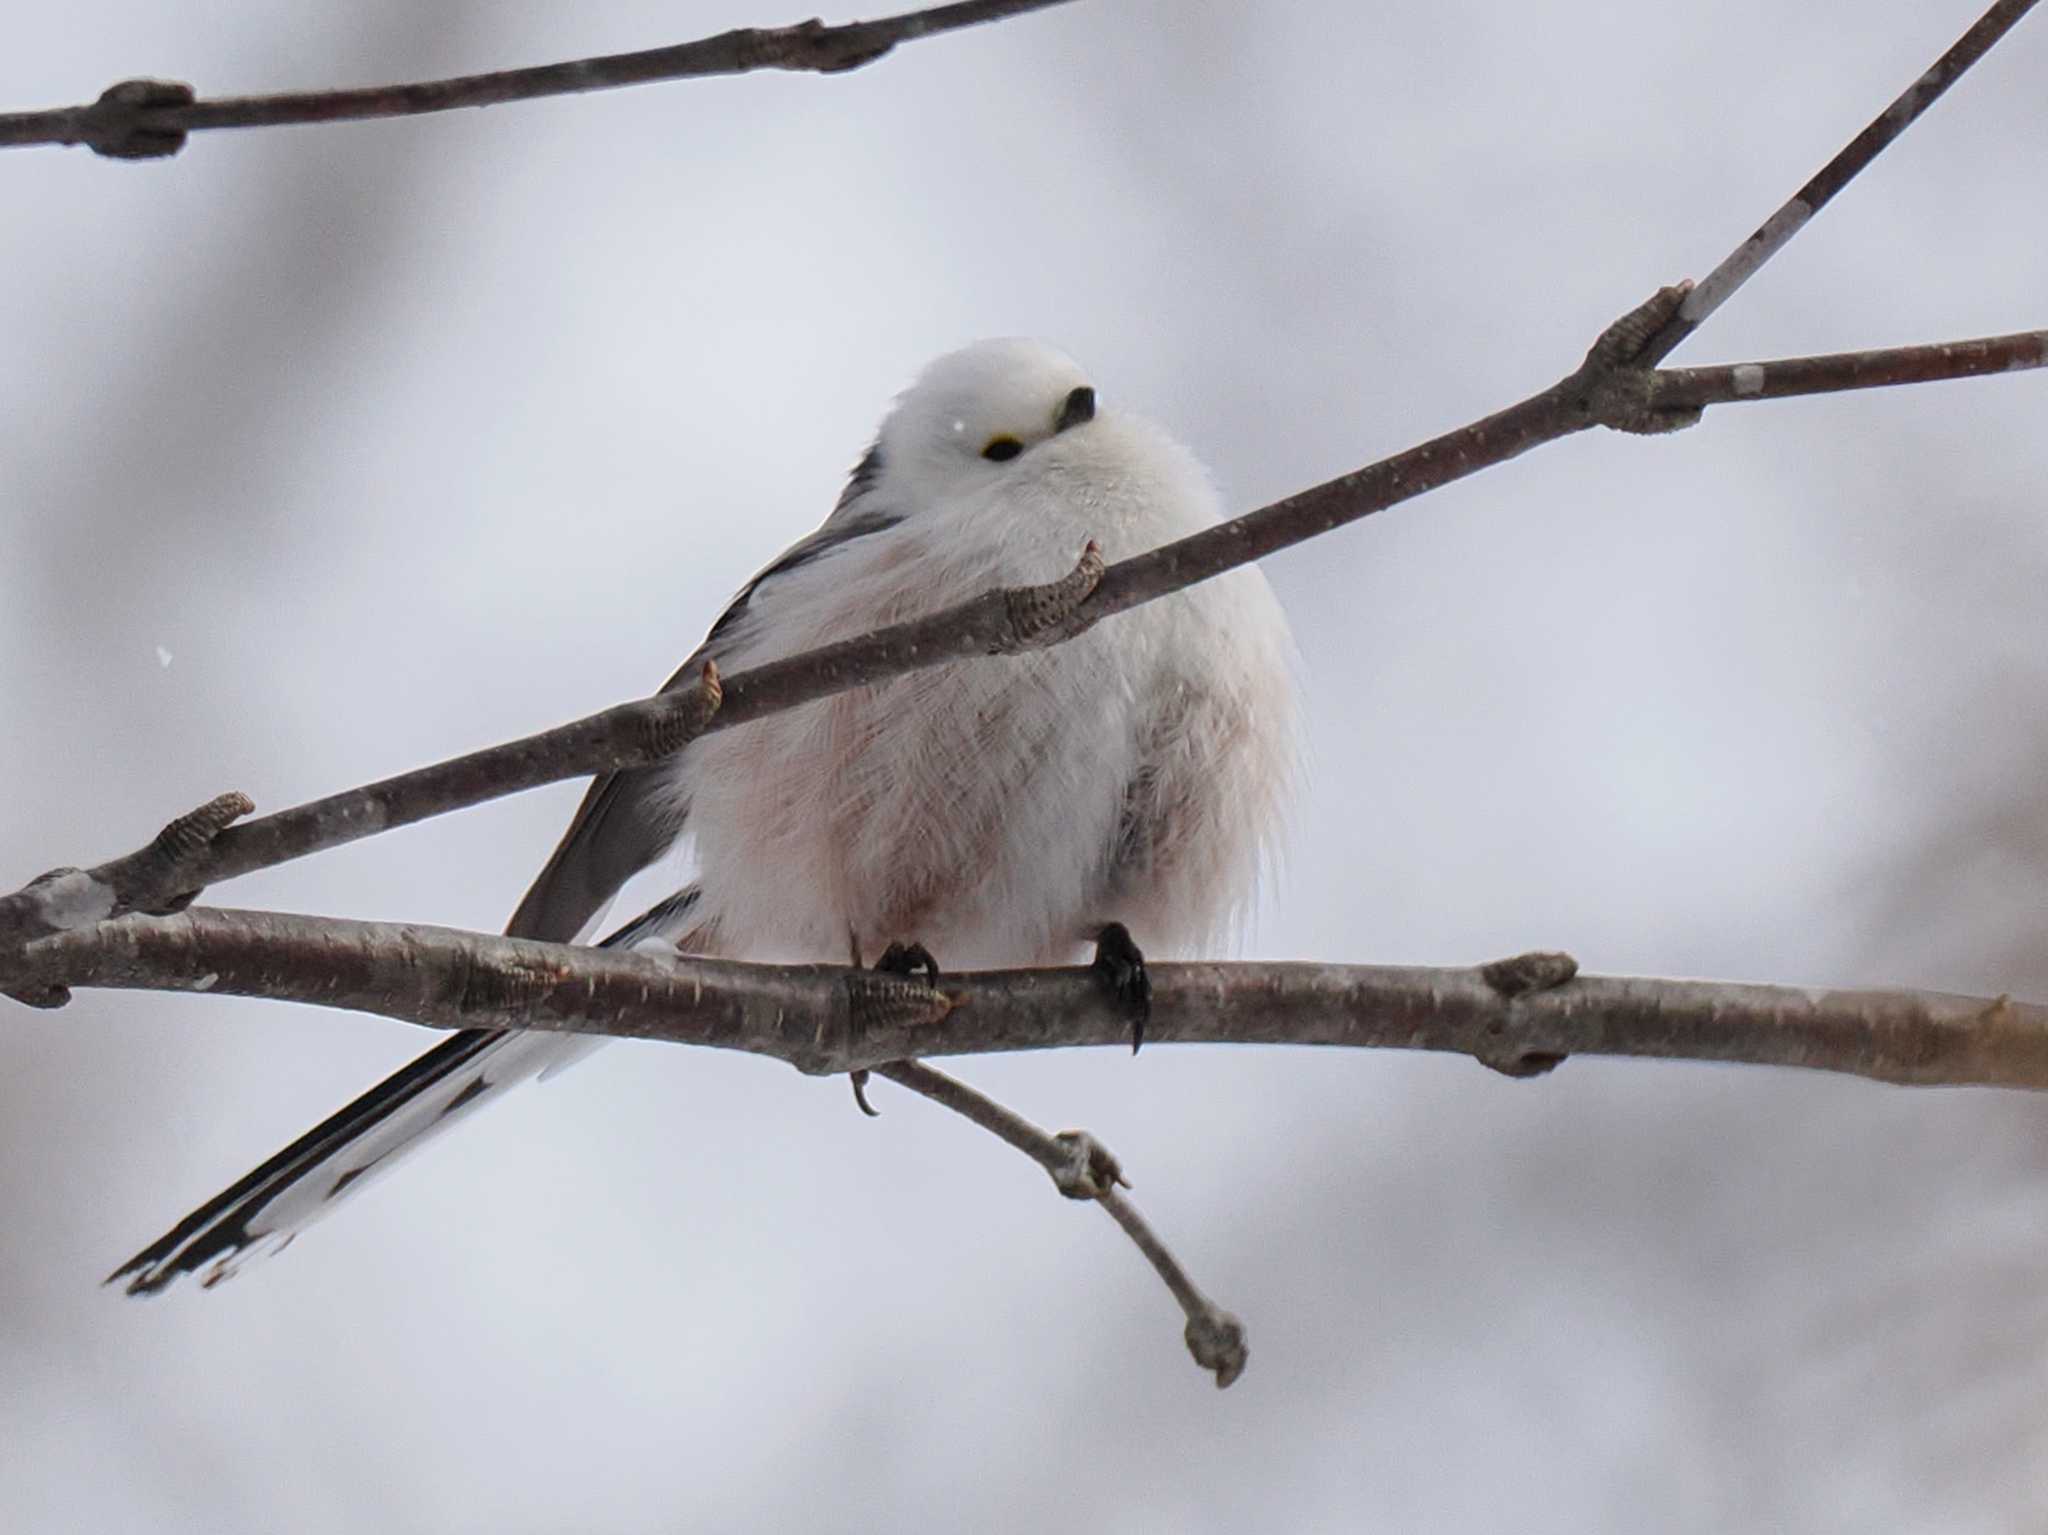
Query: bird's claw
column 897, row 959
column 860, row 1093
column 1120, row 966
column 908, row 959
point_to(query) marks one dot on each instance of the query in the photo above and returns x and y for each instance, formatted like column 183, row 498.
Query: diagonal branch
column 1000, row 622
column 1608, row 390
column 1615, row 387
column 148, row 119
column 1776, row 232
column 1082, row 1168
column 1517, row 1017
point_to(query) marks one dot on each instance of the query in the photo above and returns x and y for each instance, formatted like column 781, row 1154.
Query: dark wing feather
column 627, row 821
column 220, row 1228
column 622, row 826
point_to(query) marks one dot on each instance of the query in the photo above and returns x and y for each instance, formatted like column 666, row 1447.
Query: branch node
column 834, row 50
column 114, row 128
column 878, row 1000
column 1621, row 344
column 192, row 833
column 1216, row 1339
column 1615, row 388
column 679, row 717
column 1511, row 979
column 174, row 852
column 1043, row 615
column 1518, row 1064
column 1538, row 970
column 1090, row 1171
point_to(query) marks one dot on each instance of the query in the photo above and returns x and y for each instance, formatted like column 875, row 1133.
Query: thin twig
column 642, row 731
column 829, row 1019
column 148, row 119
column 1082, row 1168
column 1743, row 262
column 1784, row 377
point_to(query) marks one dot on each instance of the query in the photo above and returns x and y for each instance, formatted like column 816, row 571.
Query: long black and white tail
column 263, row 1211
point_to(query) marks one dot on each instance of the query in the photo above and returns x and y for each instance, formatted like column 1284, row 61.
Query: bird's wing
column 625, row 823
column 630, row 818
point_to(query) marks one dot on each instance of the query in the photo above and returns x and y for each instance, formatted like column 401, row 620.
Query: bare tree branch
column 1672, row 388
column 148, row 119
column 1743, row 262
column 1082, row 1168
column 154, row 878
column 1518, row 1016
column 124, row 923
column 1000, row 622
column 1613, row 387
column 1607, row 390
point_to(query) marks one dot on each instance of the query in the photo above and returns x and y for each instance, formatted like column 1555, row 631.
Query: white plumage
column 1000, row 811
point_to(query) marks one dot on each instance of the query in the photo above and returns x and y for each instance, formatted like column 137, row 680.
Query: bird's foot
column 908, row 959
column 1120, row 966
column 897, row 959
column 859, row 1079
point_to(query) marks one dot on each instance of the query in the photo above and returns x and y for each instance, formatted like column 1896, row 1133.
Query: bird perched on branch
column 998, row 812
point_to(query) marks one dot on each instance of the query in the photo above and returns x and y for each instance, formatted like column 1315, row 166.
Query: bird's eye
column 1002, row 449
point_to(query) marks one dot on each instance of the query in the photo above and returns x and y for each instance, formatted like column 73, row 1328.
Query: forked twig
column 1742, row 263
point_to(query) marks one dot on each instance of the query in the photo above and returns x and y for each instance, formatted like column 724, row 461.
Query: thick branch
column 1776, row 232
column 826, row 1018
column 147, row 119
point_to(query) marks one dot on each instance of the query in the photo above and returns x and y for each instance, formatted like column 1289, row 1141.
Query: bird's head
column 975, row 414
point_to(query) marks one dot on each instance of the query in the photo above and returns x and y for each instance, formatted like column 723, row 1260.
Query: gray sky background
column 404, row 438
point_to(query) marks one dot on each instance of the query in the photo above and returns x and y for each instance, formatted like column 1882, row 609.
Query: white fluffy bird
column 1003, row 811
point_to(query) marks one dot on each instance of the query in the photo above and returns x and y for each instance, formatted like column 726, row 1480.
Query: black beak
column 1080, row 407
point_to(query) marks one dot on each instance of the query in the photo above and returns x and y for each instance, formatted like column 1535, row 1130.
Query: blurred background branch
column 148, row 119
